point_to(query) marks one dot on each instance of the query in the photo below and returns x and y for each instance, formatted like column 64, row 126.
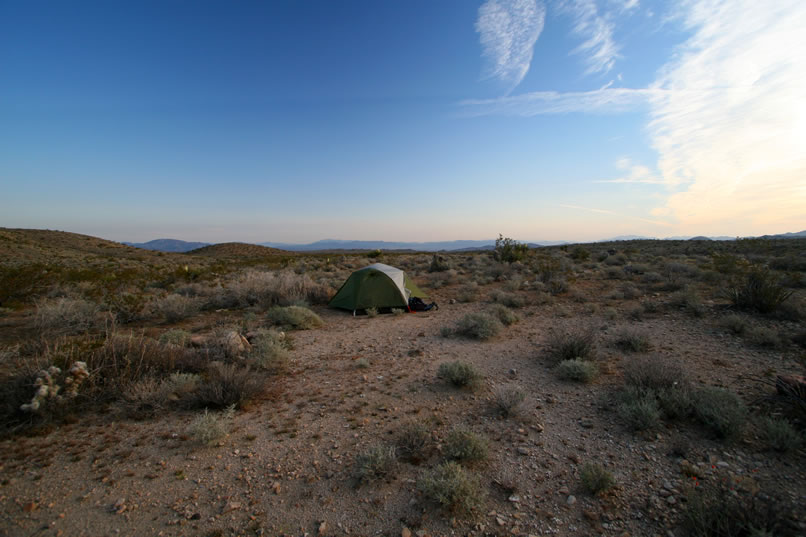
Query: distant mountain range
column 168, row 245
column 174, row 245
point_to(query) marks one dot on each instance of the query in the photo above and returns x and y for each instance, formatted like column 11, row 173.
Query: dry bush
column 688, row 301
column 230, row 384
column 270, row 351
column 511, row 300
column 508, row 399
column 578, row 370
column 464, row 445
column 468, row 293
column 174, row 308
column 460, row 374
column 639, row 409
column 595, row 478
column 504, row 314
column 654, row 372
column 175, row 336
column 268, row 289
column 296, row 317
column 571, row 343
column 413, row 441
column 478, row 325
column 632, row 340
column 720, row 411
column 759, row 291
column 151, row 396
column 209, row 428
column 779, row 435
column 375, row 463
column 736, row 324
column 452, row 487
column 67, row 316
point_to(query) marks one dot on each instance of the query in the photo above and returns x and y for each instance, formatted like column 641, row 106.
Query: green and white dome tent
column 376, row 286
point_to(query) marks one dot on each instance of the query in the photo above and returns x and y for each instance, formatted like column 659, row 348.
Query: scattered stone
column 563, row 490
column 586, row 423
column 322, row 528
column 571, row 500
column 671, row 500
column 514, row 498
column 30, row 506
column 523, row 451
column 405, row 532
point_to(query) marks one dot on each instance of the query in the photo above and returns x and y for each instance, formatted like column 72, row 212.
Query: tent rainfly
column 376, row 286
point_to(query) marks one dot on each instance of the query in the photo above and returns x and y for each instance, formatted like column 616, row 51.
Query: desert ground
column 631, row 388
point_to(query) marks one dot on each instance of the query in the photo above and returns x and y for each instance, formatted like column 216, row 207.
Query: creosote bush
column 639, row 409
column 296, row 317
column 595, row 478
column 577, row 370
column 464, row 445
column 460, row 374
column 632, row 340
column 375, row 463
column 779, row 435
column 653, row 372
column 478, row 325
column 720, row 411
column 452, row 487
column 174, row 308
column 227, row 385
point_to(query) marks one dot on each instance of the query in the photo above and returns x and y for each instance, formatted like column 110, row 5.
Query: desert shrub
column 615, row 260
column 465, row 446
column 460, row 374
column 478, row 325
column 719, row 510
column 371, row 312
column 507, row 400
column 636, row 269
column 568, row 344
column 150, row 396
column 511, row 300
column 651, row 278
column 175, row 336
column 632, row 340
column 613, row 273
column 578, row 370
column 268, row 289
column 800, row 338
column 468, row 293
column 759, row 291
column 790, row 311
column 270, row 351
column 438, row 264
column 720, row 411
column 66, row 316
column 736, row 324
column 676, row 273
column 654, row 372
column 580, row 253
column 779, row 435
column 509, row 250
column 374, row 463
column 208, row 428
column 413, row 441
column 297, row 317
column 688, row 301
column 397, row 311
column 675, row 402
column 174, row 308
column 557, row 285
column 362, row 363
column 595, row 478
column 504, row 314
column 639, row 409
column 229, row 384
column 452, row 487
column 765, row 337
column 629, row 291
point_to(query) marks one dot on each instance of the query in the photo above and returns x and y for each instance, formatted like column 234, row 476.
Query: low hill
column 168, row 245
column 238, row 249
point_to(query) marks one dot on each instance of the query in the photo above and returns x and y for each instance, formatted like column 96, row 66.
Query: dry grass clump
column 266, row 289
column 151, row 396
column 413, row 442
column 595, row 478
column 460, row 374
column 296, row 317
column 468, row 293
column 476, row 325
column 452, row 487
column 654, row 372
column 464, row 445
column 779, row 435
column 688, row 301
column 209, row 428
column 507, row 400
column 578, row 370
column 632, row 340
column 175, row 336
column 227, row 385
column 270, row 351
column 510, row 300
column 570, row 344
column 504, row 314
column 174, row 308
column 64, row 315
column 720, row 411
column 736, row 324
column 639, row 409
column 376, row 462
column 764, row 337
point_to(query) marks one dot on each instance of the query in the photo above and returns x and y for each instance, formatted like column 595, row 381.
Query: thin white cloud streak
column 508, row 31
column 607, row 100
column 599, row 47
column 636, row 173
column 733, row 121
column 619, row 215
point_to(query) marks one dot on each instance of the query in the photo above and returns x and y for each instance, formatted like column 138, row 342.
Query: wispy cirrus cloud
column 598, row 46
column 733, row 121
column 606, row 100
column 660, row 223
column 635, row 173
column 508, row 30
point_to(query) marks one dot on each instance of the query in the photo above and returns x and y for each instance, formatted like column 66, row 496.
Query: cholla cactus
column 47, row 388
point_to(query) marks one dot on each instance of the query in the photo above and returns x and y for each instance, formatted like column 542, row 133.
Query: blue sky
column 297, row 121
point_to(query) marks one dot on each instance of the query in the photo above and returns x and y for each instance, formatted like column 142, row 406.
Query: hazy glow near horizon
column 417, row 121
